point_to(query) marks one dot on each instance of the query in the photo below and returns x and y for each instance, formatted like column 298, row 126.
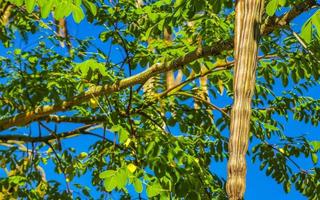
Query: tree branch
column 73, row 119
column 69, row 134
column 274, row 22
column 25, row 118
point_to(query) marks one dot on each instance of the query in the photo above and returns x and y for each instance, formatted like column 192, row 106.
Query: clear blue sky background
column 259, row 186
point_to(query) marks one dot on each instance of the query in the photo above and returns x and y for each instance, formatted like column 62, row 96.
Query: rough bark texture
column 247, row 28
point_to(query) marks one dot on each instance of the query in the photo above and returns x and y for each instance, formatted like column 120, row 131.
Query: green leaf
column 123, row 135
column 314, row 158
column 270, row 127
column 19, row 180
column 33, row 59
column 287, row 186
column 161, row 24
column 150, row 147
column 306, row 31
column 272, row 7
column 83, row 155
column 77, row 2
column 104, row 36
column 92, row 7
column 315, row 145
column 193, row 196
column 282, row 2
column 68, row 9
column 30, row 4
column 86, row 191
column 110, row 184
column 77, row 14
column 178, row 3
column 121, row 179
column 284, row 79
column 116, row 128
column 148, row 32
column 17, row 52
column 107, row 174
column 196, row 67
column 93, row 65
column 294, row 76
column 46, row 8
column 217, row 5
column 102, row 69
column 153, row 190
column 137, row 184
column 316, row 21
column 17, row 2
column 82, row 67
column 59, row 11
column 41, row 3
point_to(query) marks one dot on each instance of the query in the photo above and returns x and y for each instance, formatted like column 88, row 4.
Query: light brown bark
column 247, row 28
column 6, row 13
column 62, row 31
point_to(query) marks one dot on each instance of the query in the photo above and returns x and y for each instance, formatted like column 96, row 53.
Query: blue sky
column 259, row 186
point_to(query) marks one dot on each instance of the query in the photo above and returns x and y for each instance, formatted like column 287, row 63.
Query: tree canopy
column 147, row 86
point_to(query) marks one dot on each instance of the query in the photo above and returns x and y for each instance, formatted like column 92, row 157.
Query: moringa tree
column 85, row 111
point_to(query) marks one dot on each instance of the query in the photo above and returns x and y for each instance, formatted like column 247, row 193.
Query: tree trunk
column 247, row 28
column 62, row 32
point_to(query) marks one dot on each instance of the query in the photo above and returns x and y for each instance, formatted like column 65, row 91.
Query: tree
column 102, row 83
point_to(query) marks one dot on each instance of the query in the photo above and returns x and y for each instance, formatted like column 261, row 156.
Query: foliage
column 156, row 142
